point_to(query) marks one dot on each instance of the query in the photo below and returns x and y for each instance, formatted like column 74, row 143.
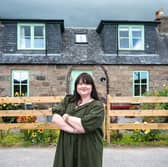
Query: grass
column 126, row 140
column 17, row 139
column 13, row 139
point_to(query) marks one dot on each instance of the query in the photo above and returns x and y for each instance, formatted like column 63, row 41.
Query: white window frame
column 130, row 37
column 12, row 83
column 31, row 25
column 81, row 38
column 140, row 84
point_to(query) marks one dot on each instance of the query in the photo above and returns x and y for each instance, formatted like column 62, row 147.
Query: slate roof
column 91, row 53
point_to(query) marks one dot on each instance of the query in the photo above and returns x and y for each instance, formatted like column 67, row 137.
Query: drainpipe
column 46, row 40
column 117, row 40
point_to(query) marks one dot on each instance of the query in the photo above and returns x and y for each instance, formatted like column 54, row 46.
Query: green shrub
column 145, row 135
column 116, row 135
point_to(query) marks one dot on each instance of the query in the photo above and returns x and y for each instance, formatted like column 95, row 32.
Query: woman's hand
column 75, row 122
column 65, row 117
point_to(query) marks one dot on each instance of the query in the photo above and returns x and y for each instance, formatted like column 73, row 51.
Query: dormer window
column 81, row 38
column 31, row 36
column 131, row 37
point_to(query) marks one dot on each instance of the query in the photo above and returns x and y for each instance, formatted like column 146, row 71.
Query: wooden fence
column 107, row 126
column 37, row 112
column 132, row 112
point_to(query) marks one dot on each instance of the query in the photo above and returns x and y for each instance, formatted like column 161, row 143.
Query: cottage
column 40, row 57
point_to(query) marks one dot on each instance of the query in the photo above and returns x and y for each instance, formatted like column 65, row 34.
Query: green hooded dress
column 81, row 150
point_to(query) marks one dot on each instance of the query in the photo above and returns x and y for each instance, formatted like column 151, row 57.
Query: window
column 131, row 37
column 20, row 83
column 31, row 36
column 140, row 82
column 81, row 38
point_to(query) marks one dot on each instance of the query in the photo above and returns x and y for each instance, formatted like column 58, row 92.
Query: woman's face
column 84, row 89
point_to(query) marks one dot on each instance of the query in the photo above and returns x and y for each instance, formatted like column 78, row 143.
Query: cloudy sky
column 82, row 13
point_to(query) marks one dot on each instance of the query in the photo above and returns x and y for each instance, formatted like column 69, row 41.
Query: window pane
column 25, row 30
column 137, row 90
column 137, row 34
column 20, row 76
column 24, row 90
column 16, row 81
column 124, row 34
column 38, row 37
column 16, row 76
column 38, row 43
column 137, row 43
column 144, row 77
column 124, row 43
column 16, row 90
column 38, row 31
column 25, row 37
column 137, row 77
column 143, row 89
column 23, row 76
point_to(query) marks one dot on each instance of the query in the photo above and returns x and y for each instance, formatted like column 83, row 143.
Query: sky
column 83, row 13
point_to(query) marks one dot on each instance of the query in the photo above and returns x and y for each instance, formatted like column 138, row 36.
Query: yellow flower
column 137, row 130
column 34, row 134
column 40, row 130
column 147, row 131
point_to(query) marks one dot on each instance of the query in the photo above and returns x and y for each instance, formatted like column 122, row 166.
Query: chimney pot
column 159, row 14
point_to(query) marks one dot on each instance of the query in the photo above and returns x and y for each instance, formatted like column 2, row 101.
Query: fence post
column 108, row 119
column 104, row 123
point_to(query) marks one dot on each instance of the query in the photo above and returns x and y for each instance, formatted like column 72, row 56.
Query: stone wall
column 163, row 27
column 121, row 78
column 47, row 80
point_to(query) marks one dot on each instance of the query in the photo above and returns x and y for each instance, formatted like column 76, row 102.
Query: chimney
column 159, row 14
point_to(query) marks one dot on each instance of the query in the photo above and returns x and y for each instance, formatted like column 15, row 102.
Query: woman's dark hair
column 87, row 79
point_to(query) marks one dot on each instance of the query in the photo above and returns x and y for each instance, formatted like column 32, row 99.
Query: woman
column 80, row 118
